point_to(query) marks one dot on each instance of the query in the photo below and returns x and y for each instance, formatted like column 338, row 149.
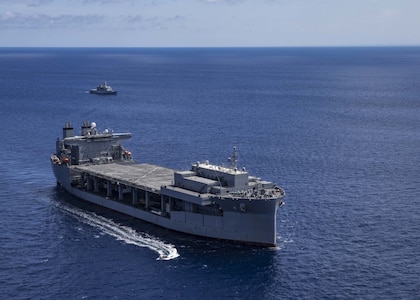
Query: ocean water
column 337, row 128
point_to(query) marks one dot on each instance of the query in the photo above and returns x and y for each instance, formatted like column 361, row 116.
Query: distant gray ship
column 103, row 89
column 208, row 200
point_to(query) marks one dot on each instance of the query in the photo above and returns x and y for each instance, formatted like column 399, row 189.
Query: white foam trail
column 123, row 233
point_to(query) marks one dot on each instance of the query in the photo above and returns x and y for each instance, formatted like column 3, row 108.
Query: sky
column 209, row 23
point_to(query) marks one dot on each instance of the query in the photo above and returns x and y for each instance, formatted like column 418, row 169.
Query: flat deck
column 143, row 176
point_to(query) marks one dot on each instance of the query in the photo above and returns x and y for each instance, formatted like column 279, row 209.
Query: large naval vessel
column 208, row 200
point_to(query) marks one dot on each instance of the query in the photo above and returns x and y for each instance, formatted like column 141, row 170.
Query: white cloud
column 38, row 20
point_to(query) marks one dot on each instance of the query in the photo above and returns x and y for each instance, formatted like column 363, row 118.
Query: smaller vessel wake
column 123, row 233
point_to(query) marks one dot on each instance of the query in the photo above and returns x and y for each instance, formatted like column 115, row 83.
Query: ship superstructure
column 207, row 200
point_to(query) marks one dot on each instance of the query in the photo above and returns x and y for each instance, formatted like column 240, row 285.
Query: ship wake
column 123, row 233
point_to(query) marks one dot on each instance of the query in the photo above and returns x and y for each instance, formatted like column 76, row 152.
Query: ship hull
column 96, row 92
column 244, row 221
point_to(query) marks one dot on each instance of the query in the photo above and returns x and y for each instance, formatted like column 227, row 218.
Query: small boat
column 103, row 89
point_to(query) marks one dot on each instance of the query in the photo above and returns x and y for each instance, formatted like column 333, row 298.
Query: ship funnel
column 68, row 130
column 85, row 128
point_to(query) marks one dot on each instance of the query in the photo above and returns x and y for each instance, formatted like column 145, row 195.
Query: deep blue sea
column 337, row 128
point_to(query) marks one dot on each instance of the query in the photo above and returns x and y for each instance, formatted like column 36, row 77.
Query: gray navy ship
column 208, row 200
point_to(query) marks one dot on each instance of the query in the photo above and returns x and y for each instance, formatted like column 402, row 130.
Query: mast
column 234, row 159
